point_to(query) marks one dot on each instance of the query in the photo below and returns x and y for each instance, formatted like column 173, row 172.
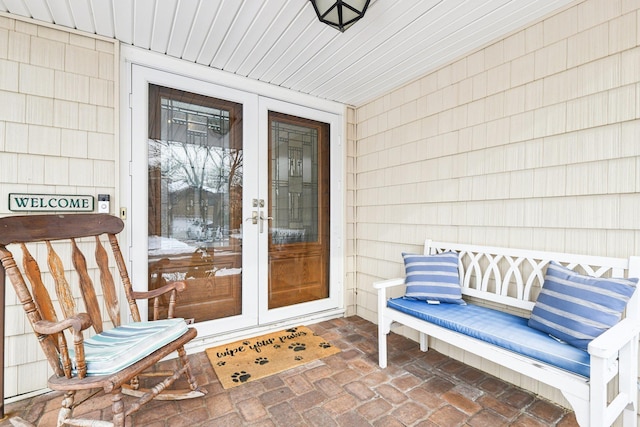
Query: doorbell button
column 103, row 203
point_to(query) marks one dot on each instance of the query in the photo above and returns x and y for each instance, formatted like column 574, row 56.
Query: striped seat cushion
column 113, row 350
column 575, row 308
column 433, row 278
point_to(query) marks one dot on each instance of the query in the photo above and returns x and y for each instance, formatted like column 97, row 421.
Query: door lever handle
column 262, row 220
column 253, row 217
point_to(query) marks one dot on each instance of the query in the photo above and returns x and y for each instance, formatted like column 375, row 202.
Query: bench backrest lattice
column 512, row 277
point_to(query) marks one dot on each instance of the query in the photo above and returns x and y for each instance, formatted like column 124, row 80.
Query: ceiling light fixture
column 340, row 14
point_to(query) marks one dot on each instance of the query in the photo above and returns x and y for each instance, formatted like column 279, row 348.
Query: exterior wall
column 350, row 287
column 530, row 142
column 58, row 123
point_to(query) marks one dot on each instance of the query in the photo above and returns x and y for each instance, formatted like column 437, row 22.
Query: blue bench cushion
column 504, row 330
column 113, row 350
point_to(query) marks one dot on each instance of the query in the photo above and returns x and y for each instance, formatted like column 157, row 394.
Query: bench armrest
column 383, row 284
column 614, row 339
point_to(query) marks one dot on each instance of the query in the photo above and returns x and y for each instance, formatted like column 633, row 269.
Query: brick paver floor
column 346, row 389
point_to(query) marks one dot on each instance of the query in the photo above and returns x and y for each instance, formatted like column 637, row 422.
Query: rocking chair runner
column 111, row 360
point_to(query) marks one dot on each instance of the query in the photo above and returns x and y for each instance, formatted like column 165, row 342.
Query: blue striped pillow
column 575, row 308
column 433, row 278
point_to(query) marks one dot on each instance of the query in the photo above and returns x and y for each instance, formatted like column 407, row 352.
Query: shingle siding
column 57, row 136
column 532, row 141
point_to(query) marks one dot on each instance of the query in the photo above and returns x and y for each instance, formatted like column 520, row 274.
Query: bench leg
column 384, row 327
column 424, row 342
column 606, row 408
column 581, row 408
column 629, row 382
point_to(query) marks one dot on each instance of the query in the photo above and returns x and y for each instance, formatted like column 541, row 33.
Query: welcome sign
column 23, row 202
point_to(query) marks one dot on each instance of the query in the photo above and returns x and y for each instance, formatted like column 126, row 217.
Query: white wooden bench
column 510, row 280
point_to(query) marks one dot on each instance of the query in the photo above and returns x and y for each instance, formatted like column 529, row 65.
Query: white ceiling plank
column 18, row 7
column 417, row 37
column 438, row 40
column 279, row 73
column 263, row 20
column 293, row 40
column 163, row 21
column 316, row 35
column 361, row 81
column 421, row 36
column 460, row 47
column 282, row 42
column 123, row 20
column 61, row 13
column 143, row 13
column 233, row 39
column 221, row 25
column 103, row 17
column 82, row 15
column 284, row 19
column 329, row 62
column 492, row 29
column 205, row 16
column 38, row 9
column 185, row 13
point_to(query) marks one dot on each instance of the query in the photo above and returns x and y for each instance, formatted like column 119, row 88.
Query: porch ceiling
column 282, row 42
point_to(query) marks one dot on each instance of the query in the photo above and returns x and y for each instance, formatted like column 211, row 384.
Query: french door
column 299, row 275
column 237, row 202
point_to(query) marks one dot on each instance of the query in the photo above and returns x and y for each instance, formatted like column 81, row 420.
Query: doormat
column 251, row 359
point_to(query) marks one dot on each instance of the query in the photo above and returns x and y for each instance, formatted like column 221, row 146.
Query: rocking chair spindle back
column 86, row 348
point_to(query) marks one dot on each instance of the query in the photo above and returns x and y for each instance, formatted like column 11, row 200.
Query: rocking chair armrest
column 170, row 286
column 79, row 322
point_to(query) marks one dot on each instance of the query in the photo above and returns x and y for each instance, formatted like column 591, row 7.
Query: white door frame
column 175, row 73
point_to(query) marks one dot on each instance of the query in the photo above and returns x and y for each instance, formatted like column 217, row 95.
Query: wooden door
column 298, row 211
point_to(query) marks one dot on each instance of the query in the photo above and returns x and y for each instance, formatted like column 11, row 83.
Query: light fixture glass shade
column 340, row 14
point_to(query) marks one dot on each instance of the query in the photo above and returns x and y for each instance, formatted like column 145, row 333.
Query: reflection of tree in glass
column 205, row 168
column 196, row 166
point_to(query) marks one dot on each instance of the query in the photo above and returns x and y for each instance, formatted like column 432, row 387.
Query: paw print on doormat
column 298, row 358
column 298, row 346
column 221, row 363
column 324, row 345
column 240, row 377
column 261, row 361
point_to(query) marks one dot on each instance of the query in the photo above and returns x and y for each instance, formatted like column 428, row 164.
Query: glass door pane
column 195, row 168
column 298, row 210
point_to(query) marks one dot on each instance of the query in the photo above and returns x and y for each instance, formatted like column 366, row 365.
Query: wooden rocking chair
column 109, row 360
